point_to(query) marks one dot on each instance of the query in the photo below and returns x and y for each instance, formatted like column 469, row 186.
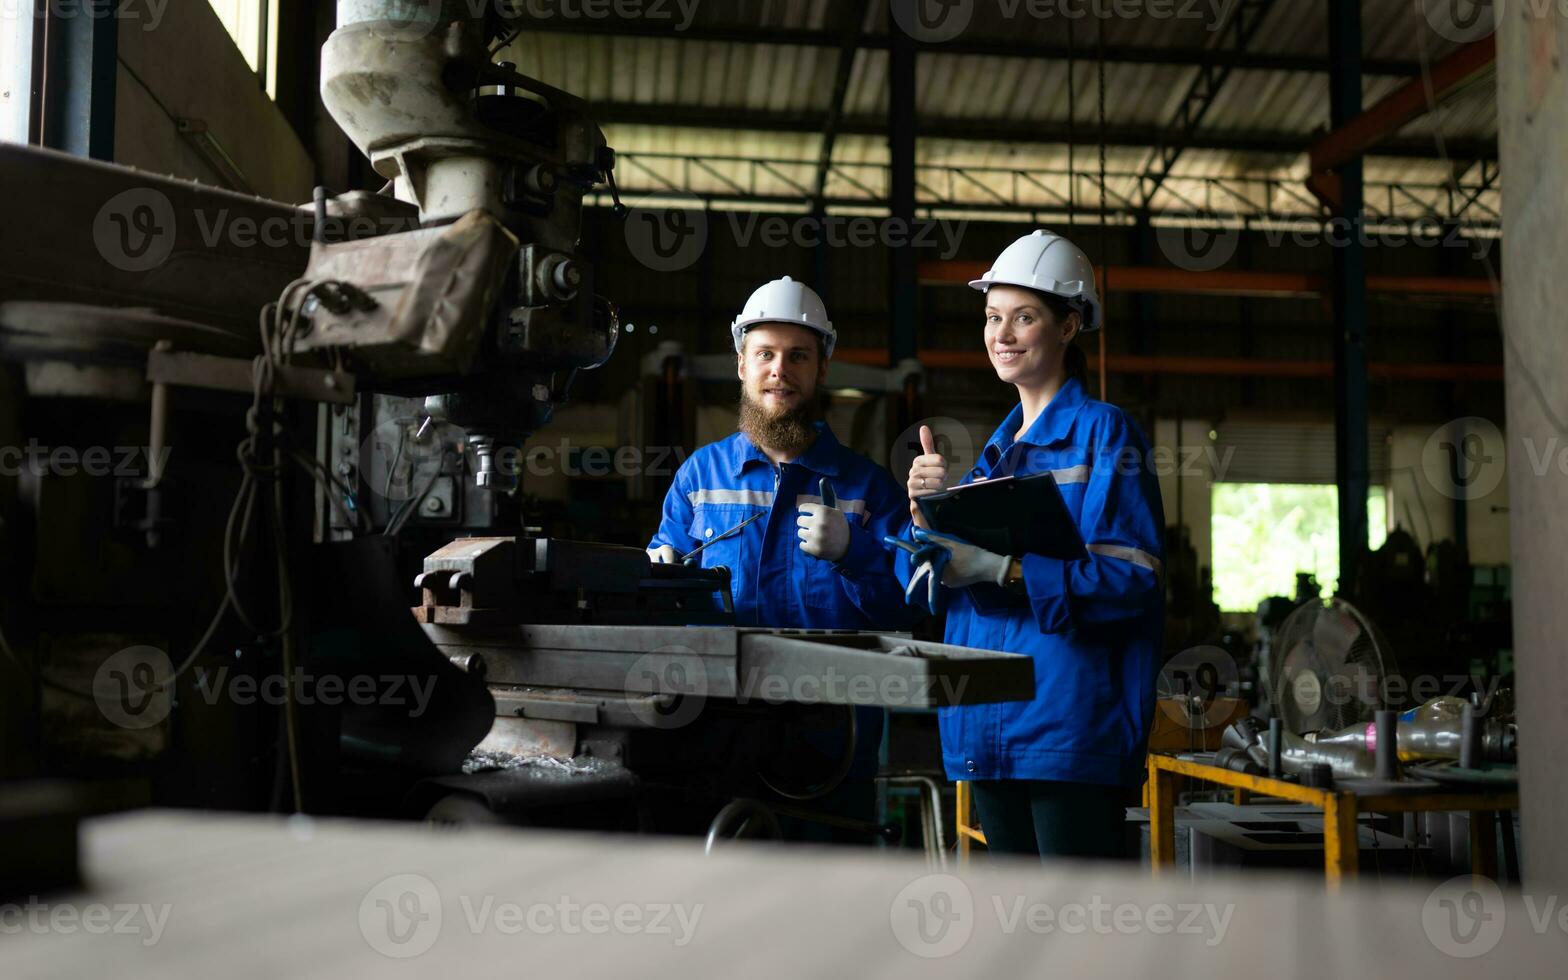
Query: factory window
column 253, row 24
column 1264, row 533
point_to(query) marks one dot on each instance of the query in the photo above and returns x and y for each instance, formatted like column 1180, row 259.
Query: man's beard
column 789, row 433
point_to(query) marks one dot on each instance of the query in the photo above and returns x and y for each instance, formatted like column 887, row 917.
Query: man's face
column 780, row 366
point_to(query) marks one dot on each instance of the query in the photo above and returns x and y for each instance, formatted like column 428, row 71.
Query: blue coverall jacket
column 775, row 584
column 1093, row 626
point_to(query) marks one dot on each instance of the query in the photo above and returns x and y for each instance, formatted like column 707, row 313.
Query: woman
column 1051, row 775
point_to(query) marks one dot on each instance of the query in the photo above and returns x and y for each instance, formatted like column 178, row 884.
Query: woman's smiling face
column 1023, row 338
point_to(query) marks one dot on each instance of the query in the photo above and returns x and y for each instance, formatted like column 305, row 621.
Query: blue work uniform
column 775, row 584
column 1093, row 626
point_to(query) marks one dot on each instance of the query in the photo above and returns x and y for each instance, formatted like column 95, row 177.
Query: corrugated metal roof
column 733, row 79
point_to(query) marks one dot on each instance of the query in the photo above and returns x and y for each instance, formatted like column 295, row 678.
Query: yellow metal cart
column 1341, row 853
column 968, row 832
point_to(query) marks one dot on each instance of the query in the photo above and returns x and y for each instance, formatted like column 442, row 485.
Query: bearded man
column 809, row 562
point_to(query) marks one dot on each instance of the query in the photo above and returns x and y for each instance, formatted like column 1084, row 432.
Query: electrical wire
column 409, row 507
column 278, row 326
column 514, row 11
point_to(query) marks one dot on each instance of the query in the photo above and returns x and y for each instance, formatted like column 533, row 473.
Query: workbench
column 1340, row 805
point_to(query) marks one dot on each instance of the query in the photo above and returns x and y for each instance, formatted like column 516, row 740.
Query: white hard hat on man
column 786, row 301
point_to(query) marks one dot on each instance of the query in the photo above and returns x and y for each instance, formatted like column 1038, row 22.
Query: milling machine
column 425, row 334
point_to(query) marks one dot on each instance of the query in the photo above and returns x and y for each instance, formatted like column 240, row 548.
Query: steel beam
column 1127, row 54
column 1356, row 136
column 81, row 61
column 1222, row 282
column 1216, row 367
column 1532, row 115
column 1205, row 88
column 1350, row 302
column 1004, row 130
column 854, row 17
column 903, row 262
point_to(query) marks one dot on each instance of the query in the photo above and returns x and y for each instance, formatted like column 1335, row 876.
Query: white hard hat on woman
column 1048, row 263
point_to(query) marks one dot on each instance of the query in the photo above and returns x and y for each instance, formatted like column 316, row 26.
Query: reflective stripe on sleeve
column 1073, row 474
column 1134, row 555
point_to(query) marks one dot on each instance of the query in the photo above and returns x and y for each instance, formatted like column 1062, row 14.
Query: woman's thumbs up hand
column 927, row 474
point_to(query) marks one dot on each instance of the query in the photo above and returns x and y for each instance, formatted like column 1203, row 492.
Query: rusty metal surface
column 233, row 374
column 525, row 737
column 35, row 330
column 750, row 665
column 429, row 295
column 105, row 235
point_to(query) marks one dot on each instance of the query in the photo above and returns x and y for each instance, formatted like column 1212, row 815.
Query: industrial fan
column 1331, row 669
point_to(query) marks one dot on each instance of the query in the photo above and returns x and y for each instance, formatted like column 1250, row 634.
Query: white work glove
column 664, row 555
column 967, row 564
column 823, row 531
column 927, row 474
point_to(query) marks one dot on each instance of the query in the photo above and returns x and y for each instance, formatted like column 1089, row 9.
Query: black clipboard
column 1011, row 515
